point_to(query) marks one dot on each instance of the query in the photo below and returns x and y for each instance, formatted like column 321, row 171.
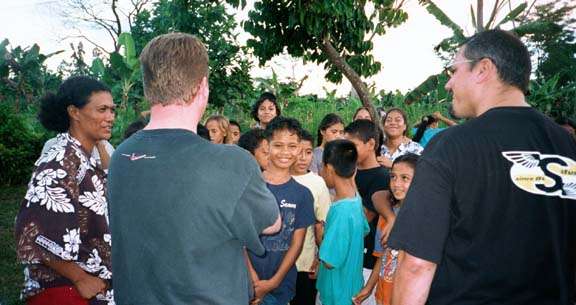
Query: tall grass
column 11, row 274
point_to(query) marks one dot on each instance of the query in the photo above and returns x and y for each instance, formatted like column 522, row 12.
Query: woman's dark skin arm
column 88, row 285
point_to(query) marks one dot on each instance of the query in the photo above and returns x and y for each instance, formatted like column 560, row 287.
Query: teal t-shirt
column 428, row 134
column 342, row 248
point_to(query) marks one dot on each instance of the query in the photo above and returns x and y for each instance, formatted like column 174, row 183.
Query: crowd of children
column 338, row 205
column 337, row 201
column 309, row 225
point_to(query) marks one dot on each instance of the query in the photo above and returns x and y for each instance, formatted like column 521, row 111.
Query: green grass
column 11, row 276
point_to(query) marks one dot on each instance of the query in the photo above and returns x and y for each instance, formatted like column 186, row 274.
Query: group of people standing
column 480, row 213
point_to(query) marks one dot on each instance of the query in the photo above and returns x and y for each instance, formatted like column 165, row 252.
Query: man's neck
column 369, row 163
column 345, row 188
column 503, row 96
column 173, row 116
column 276, row 176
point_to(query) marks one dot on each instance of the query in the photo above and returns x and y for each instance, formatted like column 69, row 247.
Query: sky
column 406, row 52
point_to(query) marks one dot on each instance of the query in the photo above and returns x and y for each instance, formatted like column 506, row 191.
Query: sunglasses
column 449, row 69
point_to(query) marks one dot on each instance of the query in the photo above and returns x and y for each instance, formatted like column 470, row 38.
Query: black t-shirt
column 368, row 182
column 493, row 204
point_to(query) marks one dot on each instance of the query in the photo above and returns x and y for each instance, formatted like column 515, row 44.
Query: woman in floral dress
column 62, row 232
column 396, row 142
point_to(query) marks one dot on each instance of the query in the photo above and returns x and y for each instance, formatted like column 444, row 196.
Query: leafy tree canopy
column 555, row 43
column 337, row 34
column 207, row 19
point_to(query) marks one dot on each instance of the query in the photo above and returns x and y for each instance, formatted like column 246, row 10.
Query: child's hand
column 361, row 296
column 256, row 300
column 384, row 161
column 314, row 269
column 261, row 289
column 406, row 140
column 386, row 232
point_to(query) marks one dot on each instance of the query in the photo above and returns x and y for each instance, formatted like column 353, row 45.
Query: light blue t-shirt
column 428, row 134
column 342, row 248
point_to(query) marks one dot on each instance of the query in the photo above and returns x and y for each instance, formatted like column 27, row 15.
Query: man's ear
column 201, row 98
column 485, row 69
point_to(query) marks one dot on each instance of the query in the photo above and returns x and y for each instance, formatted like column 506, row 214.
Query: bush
column 20, row 146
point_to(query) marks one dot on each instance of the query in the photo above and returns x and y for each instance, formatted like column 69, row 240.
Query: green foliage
column 430, row 91
column 553, row 99
column 282, row 90
column 124, row 117
column 77, row 66
column 448, row 45
column 20, row 146
column 23, row 75
column 208, row 20
column 123, row 74
column 300, row 27
column 553, row 42
column 11, row 273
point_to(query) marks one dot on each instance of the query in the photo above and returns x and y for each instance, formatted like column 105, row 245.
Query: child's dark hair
column 235, row 123
column 75, row 91
column 133, row 128
column 280, row 123
column 306, row 136
column 202, row 131
column 360, row 109
column 409, row 158
column 251, row 139
column 328, row 120
column 424, row 123
column 364, row 130
column 265, row 96
column 342, row 155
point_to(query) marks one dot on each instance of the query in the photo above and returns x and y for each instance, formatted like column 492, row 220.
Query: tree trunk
column 363, row 92
column 479, row 16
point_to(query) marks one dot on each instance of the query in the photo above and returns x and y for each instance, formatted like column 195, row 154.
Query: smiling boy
column 274, row 272
column 307, row 263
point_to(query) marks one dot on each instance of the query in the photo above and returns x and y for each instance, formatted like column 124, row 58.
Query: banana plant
column 123, row 73
column 448, row 45
column 23, row 73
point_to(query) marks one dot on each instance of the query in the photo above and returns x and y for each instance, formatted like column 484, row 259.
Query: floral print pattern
column 64, row 216
column 410, row 147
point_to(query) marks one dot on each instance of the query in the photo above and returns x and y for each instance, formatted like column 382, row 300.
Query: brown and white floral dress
column 64, row 216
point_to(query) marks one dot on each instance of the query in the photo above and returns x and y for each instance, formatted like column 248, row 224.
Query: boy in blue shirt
column 341, row 253
column 274, row 273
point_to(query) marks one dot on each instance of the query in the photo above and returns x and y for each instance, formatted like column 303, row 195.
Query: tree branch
column 118, row 24
column 480, row 15
column 338, row 61
column 82, row 36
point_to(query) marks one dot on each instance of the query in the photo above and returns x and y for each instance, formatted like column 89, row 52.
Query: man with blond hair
column 181, row 208
column 490, row 217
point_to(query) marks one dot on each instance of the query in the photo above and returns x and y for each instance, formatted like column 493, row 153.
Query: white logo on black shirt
column 549, row 175
column 284, row 204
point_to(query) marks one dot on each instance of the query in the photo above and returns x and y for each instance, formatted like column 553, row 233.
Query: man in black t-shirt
column 490, row 217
